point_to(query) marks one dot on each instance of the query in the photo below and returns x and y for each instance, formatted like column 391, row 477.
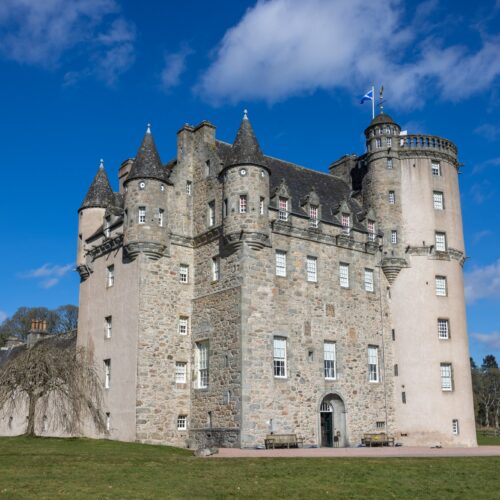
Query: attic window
column 283, row 209
column 313, row 214
column 346, row 223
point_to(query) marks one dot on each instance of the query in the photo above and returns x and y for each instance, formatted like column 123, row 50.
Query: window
column 261, row 206
column 440, row 242
column 313, row 216
column 184, row 273
column 181, row 422
column 396, row 370
column 180, row 372
column 403, row 397
column 392, row 197
column 202, row 362
column 378, row 142
column 183, row 325
column 312, row 269
column 371, row 230
column 224, row 208
column 369, row 280
column 207, row 168
column 455, row 430
column 243, row 204
column 389, row 163
column 380, row 424
column 346, row 223
column 189, row 188
column 438, row 200
column 215, row 268
column 394, row 237
column 441, row 286
column 436, row 168
column 344, row 275
column 373, row 363
column 107, row 225
column 111, row 276
column 142, row 215
column 329, row 361
column 283, row 209
column 280, row 263
column 389, row 142
column 108, row 421
column 279, row 354
column 446, row 377
column 443, row 329
column 160, row 216
column 107, row 373
column 211, row 214
column 108, row 326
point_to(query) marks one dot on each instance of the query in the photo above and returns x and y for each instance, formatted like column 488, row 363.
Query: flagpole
column 373, row 102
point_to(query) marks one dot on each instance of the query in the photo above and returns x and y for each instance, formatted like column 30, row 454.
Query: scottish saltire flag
column 368, row 96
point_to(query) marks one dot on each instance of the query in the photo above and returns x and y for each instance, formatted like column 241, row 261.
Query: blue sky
column 81, row 78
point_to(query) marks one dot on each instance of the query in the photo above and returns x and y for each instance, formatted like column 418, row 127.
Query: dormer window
column 313, row 215
column 346, row 223
column 283, row 209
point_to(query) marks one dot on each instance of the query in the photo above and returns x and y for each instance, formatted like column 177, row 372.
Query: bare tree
column 55, row 379
column 67, row 319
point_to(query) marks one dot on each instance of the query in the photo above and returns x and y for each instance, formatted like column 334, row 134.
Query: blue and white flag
column 368, row 96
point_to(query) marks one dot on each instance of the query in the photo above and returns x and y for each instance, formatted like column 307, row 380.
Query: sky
column 80, row 79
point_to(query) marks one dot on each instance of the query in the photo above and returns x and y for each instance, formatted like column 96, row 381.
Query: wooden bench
column 377, row 439
column 283, row 441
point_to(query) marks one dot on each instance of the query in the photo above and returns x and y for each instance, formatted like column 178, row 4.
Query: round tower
column 245, row 178
column 145, row 201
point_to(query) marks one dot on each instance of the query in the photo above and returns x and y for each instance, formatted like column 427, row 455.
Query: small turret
column 100, row 193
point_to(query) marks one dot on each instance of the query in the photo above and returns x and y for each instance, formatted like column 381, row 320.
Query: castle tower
column 146, row 203
column 246, row 191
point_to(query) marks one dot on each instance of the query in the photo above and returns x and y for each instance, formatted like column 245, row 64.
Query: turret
column 145, row 227
column 245, row 177
column 91, row 212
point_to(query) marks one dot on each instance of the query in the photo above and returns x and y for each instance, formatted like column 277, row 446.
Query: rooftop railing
column 418, row 141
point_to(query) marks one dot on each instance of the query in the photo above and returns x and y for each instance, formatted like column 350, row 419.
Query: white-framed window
column 455, row 429
column 110, row 276
column 215, row 268
column 184, row 273
column 283, row 208
column 279, row 357
column 261, row 205
column 142, row 215
column 373, row 375
column 344, row 275
column 443, row 326
column 440, row 240
column 211, row 214
column 280, row 263
column 329, row 360
column 389, row 163
column 225, row 208
column 108, row 421
column 161, row 212
column 371, row 230
column 394, row 236
column 345, row 220
column 313, row 216
column 183, row 325
column 378, row 142
column 180, row 372
column 392, row 197
column 436, row 168
column 202, row 364
column 107, row 373
column 243, row 204
column 441, row 286
column 312, row 269
column 182, row 422
column 189, row 188
column 389, row 141
column 108, row 327
column 438, row 200
column 446, row 377
column 369, row 280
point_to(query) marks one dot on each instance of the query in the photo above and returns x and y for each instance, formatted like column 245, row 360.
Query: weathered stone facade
column 193, row 245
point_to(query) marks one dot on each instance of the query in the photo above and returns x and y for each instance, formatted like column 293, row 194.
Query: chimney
column 37, row 332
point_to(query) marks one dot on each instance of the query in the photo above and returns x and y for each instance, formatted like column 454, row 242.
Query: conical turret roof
column 100, row 193
column 245, row 149
column 147, row 163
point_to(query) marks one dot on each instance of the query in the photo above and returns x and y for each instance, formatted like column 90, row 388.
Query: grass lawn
column 484, row 440
column 81, row 468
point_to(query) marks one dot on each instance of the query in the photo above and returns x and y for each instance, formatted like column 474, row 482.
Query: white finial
column 148, row 130
column 101, row 164
column 245, row 114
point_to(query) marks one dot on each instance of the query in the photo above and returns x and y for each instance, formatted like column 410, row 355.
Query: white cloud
column 480, row 235
column 282, row 48
column 482, row 191
column 483, row 283
column 3, row 316
column 490, row 339
column 175, row 65
column 42, row 32
column 49, row 274
column 492, row 162
column 489, row 131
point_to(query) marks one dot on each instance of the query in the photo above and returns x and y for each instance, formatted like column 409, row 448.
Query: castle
column 228, row 294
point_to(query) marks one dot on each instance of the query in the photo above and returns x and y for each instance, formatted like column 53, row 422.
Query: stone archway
column 332, row 421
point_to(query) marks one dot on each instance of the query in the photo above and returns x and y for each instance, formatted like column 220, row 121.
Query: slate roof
column 100, row 193
column 147, row 163
column 381, row 118
column 245, row 149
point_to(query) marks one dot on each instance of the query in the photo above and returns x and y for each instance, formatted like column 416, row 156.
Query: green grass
column 485, row 439
column 81, row 468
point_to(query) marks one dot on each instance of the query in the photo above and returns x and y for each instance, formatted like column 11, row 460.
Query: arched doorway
column 332, row 421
